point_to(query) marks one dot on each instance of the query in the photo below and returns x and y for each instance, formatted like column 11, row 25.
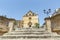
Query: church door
column 30, row 24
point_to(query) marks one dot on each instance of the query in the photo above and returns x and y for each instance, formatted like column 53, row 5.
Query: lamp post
column 47, row 11
column 48, row 21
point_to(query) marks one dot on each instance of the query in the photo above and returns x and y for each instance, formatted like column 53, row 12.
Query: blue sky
column 17, row 8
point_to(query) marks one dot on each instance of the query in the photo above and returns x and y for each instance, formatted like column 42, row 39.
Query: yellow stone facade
column 30, row 19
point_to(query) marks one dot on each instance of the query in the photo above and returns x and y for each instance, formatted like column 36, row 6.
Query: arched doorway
column 30, row 24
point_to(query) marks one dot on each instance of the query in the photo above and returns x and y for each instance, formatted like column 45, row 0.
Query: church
column 30, row 19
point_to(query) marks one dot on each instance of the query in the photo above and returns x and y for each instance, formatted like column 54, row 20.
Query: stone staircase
column 29, row 34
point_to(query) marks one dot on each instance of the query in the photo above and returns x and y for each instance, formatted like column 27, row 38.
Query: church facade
column 30, row 19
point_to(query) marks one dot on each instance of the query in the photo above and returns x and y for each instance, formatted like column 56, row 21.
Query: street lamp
column 47, row 12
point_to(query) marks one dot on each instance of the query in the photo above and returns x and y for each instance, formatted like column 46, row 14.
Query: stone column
column 48, row 24
column 11, row 24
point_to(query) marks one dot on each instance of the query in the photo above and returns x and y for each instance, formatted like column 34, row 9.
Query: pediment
column 30, row 13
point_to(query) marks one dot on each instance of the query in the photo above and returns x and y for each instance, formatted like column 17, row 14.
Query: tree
column 37, row 25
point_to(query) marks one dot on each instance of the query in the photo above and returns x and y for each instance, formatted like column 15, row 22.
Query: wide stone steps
column 27, row 33
column 28, row 36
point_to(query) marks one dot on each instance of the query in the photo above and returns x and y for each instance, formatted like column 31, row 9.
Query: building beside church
column 53, row 23
column 5, row 24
